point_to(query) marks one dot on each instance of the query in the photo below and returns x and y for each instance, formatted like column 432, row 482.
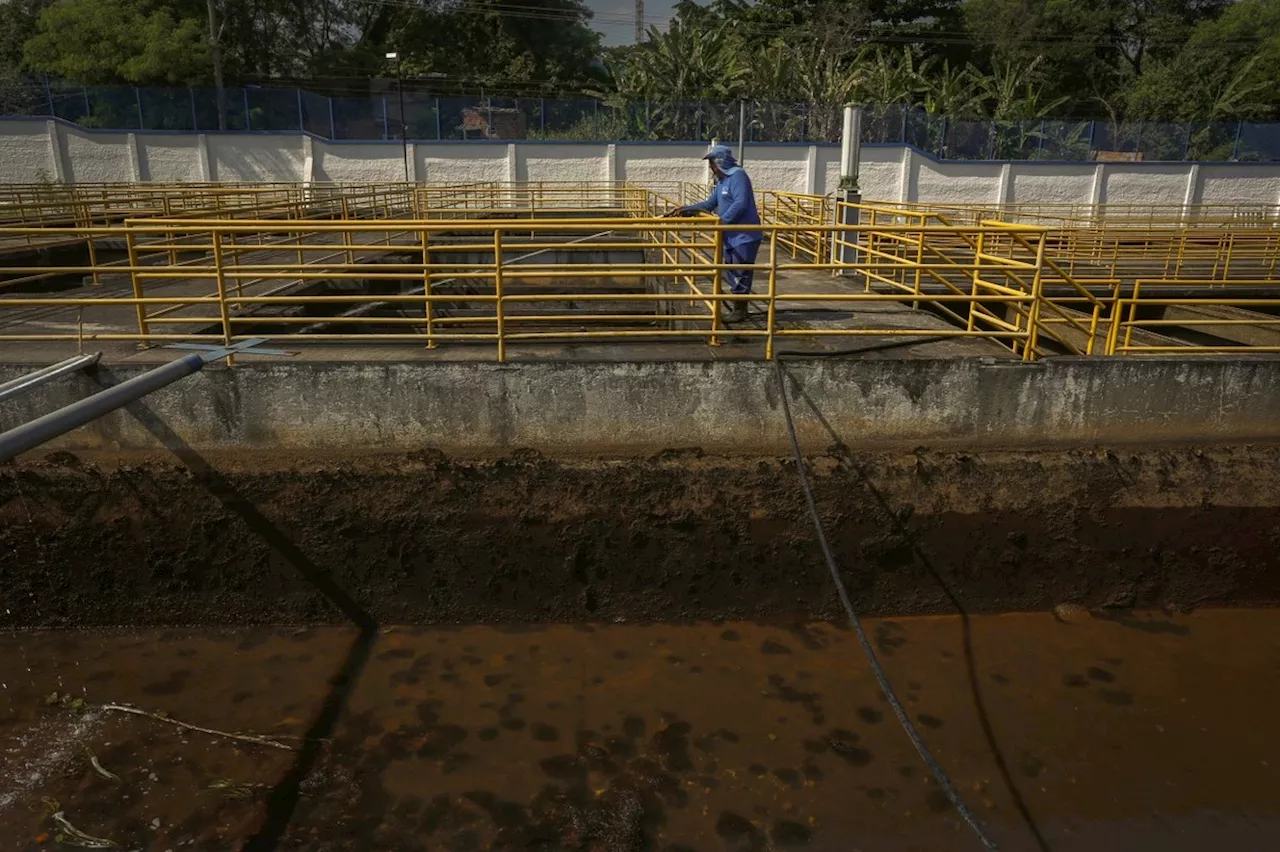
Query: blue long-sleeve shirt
column 734, row 201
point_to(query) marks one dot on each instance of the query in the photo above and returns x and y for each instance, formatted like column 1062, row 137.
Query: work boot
column 737, row 312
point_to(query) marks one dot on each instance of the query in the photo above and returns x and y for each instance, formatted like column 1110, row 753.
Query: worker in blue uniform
column 734, row 202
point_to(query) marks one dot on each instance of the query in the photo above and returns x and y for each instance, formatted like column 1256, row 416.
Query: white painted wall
column 168, row 157
column 459, row 162
column 94, row 158
column 656, row 164
column 38, row 150
column 367, row 162
column 1053, row 184
column 27, row 152
column 245, row 157
column 1127, row 183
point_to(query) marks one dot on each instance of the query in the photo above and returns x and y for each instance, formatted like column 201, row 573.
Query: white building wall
column 552, row 161
column 1133, row 183
column 953, row 183
column 370, row 162
column 41, row 151
column 244, row 157
column 783, row 168
column 26, row 149
column 1052, row 184
column 1229, row 183
column 168, row 157
column 94, row 158
column 657, row 164
column 459, row 162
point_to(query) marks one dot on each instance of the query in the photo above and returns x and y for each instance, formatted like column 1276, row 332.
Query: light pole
column 404, row 128
column 215, row 43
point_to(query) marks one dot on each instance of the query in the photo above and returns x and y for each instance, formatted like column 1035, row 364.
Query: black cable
column 939, row 774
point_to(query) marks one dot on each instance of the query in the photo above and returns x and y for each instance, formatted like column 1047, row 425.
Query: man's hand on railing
column 679, row 213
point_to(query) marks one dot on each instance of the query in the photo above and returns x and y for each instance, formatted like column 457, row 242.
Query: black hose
column 930, row 761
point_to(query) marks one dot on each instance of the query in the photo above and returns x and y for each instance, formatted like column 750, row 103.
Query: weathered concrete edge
column 728, row 407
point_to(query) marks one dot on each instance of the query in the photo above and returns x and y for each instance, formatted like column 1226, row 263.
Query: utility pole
column 404, row 127
column 639, row 21
column 214, row 43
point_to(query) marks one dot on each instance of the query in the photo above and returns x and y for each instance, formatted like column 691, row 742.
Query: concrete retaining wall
column 611, row 409
column 39, row 150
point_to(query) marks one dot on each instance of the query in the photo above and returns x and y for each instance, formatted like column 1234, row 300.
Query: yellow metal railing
column 220, row 292
column 501, row 263
column 789, row 208
column 1230, row 321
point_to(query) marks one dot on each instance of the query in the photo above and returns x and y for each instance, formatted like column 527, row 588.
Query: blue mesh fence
column 420, row 116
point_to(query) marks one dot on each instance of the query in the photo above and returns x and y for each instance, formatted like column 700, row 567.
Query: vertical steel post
column 773, row 293
column 220, row 277
column 497, row 293
column 742, row 130
column 132, row 250
column 426, row 291
column 404, row 125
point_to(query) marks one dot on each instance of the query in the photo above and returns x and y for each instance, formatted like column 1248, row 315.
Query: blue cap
column 719, row 152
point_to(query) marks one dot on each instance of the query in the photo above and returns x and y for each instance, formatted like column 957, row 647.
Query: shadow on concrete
column 841, row 450
column 282, row 801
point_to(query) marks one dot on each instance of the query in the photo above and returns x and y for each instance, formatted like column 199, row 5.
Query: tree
column 1077, row 45
column 1228, row 68
column 516, row 45
column 121, row 41
column 17, row 24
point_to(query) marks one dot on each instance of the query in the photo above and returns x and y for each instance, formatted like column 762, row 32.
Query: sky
column 617, row 18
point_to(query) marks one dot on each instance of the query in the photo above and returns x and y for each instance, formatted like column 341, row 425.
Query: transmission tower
column 639, row 21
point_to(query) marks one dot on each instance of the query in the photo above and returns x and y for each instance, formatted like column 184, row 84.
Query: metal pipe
column 31, row 435
column 45, row 374
column 742, row 131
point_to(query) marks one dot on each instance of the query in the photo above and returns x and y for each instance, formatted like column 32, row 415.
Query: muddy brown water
column 1127, row 731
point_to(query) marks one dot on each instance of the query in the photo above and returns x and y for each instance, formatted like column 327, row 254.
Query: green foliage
column 1010, row 61
column 524, row 45
column 1228, row 68
column 119, row 41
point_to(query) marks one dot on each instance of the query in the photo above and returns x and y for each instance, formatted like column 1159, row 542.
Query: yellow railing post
column 915, row 306
column 426, row 291
column 773, row 294
column 1033, row 317
column 977, row 278
column 1113, row 332
column 93, row 260
column 717, row 255
column 347, row 238
column 1133, row 315
column 220, row 277
column 132, row 250
column 497, row 293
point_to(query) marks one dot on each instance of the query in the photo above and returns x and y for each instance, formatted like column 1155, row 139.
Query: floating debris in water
column 73, row 836
column 98, row 767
